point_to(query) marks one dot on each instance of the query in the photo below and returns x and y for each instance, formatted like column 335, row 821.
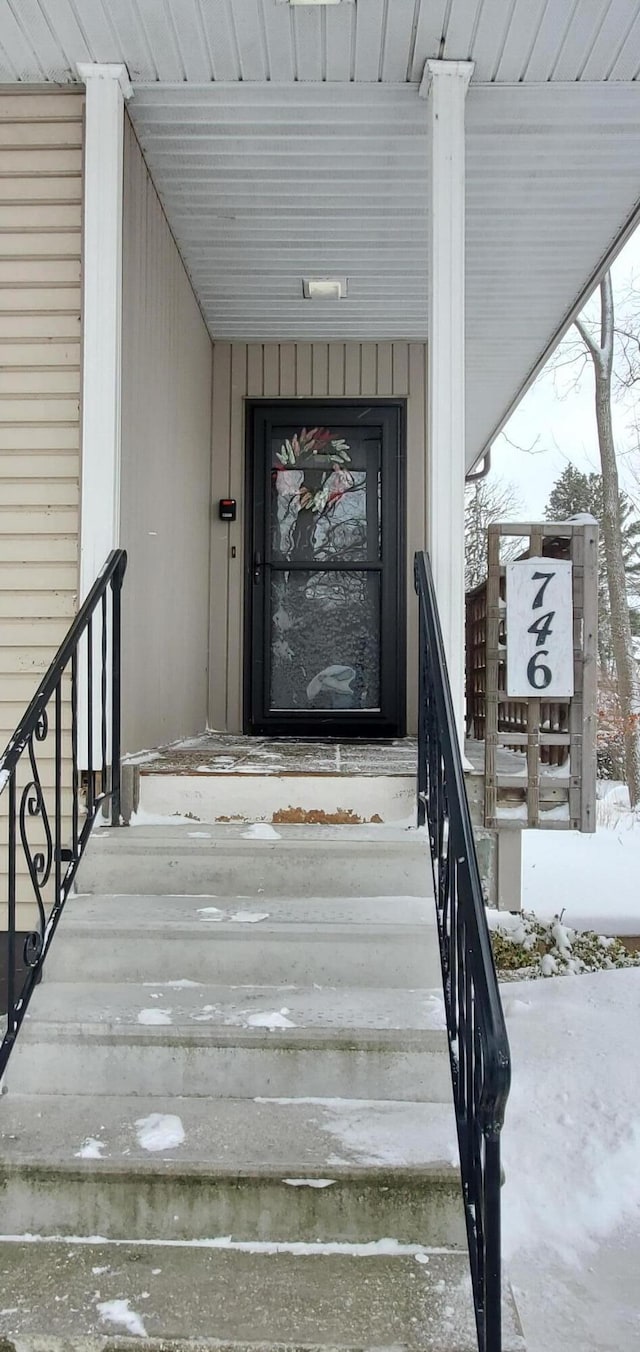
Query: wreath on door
column 317, row 448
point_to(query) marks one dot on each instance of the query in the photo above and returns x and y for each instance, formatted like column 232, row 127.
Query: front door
column 324, row 566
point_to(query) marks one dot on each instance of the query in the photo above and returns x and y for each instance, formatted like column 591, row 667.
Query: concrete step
column 235, row 941
column 214, row 1041
column 261, row 793
column 212, row 909
column 340, row 861
column 62, row 1297
column 234, row 954
column 93, row 1008
column 275, row 1169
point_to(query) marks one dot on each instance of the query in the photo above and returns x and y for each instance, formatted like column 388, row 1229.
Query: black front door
column 324, row 572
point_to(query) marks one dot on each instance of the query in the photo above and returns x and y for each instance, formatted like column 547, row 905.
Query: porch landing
column 224, row 753
column 219, row 777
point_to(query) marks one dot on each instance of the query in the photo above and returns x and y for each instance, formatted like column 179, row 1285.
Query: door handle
column 257, row 566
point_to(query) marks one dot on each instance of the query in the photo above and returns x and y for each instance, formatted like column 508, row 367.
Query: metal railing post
column 116, row 681
column 478, row 1045
column 52, row 864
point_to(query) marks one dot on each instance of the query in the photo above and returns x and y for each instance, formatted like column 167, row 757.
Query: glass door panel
column 325, row 582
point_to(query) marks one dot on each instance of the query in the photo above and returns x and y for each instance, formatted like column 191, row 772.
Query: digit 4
column 542, row 627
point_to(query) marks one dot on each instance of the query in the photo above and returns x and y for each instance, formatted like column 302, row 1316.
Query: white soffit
column 371, row 40
column 288, row 141
column 264, row 186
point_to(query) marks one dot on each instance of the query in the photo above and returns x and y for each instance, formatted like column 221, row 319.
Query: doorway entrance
column 325, row 577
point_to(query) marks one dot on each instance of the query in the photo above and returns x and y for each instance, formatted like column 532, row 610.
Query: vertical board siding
column 40, row 322
column 299, row 371
column 165, row 478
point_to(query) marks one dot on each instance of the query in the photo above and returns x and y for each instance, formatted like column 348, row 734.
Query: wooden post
column 543, row 730
column 492, row 660
column 589, row 677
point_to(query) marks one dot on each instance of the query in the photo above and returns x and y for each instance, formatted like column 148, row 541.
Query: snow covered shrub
column 524, row 946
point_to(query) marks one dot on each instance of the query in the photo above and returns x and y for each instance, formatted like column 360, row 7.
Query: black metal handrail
column 478, row 1045
column 76, row 711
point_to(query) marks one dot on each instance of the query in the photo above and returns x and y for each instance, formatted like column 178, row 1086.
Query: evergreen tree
column 575, row 492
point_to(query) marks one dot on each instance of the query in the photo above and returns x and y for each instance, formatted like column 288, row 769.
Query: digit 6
column 538, row 673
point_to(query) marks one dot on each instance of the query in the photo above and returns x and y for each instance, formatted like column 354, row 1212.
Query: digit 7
column 545, row 578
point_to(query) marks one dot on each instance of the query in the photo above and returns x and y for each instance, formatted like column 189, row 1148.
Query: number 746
column 538, row 673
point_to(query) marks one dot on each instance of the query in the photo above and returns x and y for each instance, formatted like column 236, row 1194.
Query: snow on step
column 160, row 1131
column 349, row 861
column 381, row 1295
column 105, row 1007
column 160, row 1098
column 194, row 1039
column 294, row 1134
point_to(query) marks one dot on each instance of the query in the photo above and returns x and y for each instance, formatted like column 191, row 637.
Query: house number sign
column 539, row 623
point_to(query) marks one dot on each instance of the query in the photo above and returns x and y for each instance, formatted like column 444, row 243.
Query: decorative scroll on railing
column 479, row 1049
column 59, row 769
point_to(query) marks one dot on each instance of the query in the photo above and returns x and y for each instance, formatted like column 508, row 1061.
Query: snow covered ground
column 595, row 879
column 571, row 1149
column 572, row 1136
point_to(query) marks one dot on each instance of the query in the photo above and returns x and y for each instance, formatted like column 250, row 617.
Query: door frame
column 375, row 726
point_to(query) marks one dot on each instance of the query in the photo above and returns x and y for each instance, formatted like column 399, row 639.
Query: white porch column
column 444, row 86
column 107, row 88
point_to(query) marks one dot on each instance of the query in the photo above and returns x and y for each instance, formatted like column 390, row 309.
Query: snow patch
column 91, row 1149
column 182, row 983
column 572, row 1140
column 154, row 1016
column 591, row 878
column 142, row 818
column 383, row 1247
column 384, row 1132
column 309, row 1182
column 261, row 831
column 142, row 758
column 120, row 1312
column 199, row 835
column 270, row 1020
column 249, row 917
column 160, row 1131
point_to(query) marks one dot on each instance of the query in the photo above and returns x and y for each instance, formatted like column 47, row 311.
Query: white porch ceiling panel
column 366, row 40
column 289, row 141
column 264, row 186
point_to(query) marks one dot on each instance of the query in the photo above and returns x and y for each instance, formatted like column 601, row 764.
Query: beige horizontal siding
column 39, row 437
column 57, row 353
column 44, row 549
column 40, row 329
column 55, row 188
column 50, row 160
column 36, row 382
column 298, row 371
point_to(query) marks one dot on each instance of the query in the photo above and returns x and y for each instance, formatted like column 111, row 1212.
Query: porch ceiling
column 266, row 184
column 369, row 40
column 288, row 141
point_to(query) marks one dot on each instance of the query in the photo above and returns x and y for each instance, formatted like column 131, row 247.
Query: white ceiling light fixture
column 324, row 288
